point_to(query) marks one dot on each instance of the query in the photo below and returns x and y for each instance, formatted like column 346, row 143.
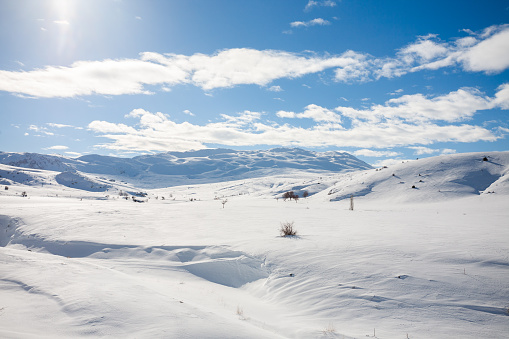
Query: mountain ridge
column 430, row 179
column 202, row 165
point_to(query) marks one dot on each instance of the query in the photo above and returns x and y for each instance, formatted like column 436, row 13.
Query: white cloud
column 157, row 132
column 188, row 112
column 41, row 130
column 285, row 114
column 376, row 154
column 314, row 112
column 389, row 162
column 466, row 42
column 318, row 113
column 109, row 127
column 108, row 77
column 247, row 66
column 275, row 89
column 61, row 22
column 56, row 147
column 502, row 96
column 314, row 22
column 396, row 92
column 423, row 50
column 322, row 3
column 226, row 68
column 358, row 69
column 489, row 55
column 455, row 106
column 59, row 125
column 420, row 150
column 448, row 151
column 74, row 154
column 484, row 52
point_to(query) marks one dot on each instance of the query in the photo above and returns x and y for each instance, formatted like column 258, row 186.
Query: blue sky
column 383, row 80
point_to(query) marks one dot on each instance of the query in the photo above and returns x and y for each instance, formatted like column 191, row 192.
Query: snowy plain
column 424, row 254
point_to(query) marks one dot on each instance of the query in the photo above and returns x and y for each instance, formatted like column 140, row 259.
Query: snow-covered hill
column 36, row 161
column 168, row 169
column 426, row 180
column 332, row 177
column 431, row 179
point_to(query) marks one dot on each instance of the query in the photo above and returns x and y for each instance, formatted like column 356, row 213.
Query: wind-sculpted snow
column 216, row 264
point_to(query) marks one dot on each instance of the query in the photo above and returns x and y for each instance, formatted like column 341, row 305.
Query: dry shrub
column 287, row 229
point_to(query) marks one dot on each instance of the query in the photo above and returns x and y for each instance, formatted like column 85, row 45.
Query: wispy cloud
column 452, row 107
column 448, row 151
column 74, row 154
column 314, row 22
column 59, row 125
column 275, row 89
column 375, row 154
column 57, row 147
column 420, row 150
column 396, row 92
column 314, row 112
column 227, row 68
column 61, row 22
column 319, row 3
column 42, row 131
column 480, row 52
column 484, row 52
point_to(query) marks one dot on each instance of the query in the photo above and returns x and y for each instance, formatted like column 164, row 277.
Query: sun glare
column 62, row 14
column 63, row 10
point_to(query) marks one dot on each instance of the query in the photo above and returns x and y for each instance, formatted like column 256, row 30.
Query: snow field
column 429, row 261
column 193, row 269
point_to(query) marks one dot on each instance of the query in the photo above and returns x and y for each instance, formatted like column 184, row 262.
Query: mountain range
column 330, row 176
column 165, row 169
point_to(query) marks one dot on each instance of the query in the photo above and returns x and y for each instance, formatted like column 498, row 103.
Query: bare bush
column 290, row 195
column 287, row 229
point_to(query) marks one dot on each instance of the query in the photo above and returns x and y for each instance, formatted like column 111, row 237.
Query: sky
column 383, row 80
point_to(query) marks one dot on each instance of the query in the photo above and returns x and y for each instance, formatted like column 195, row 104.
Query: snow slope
column 405, row 263
column 35, row 161
column 432, row 179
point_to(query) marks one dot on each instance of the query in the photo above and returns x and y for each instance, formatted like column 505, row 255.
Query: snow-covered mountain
column 329, row 176
column 166, row 169
column 36, row 161
column 433, row 179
